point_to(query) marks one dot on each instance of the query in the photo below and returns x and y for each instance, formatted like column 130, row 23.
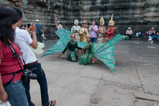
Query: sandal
column 52, row 103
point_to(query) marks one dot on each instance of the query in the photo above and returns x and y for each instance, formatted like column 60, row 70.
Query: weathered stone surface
column 135, row 82
column 139, row 14
column 144, row 96
column 146, row 103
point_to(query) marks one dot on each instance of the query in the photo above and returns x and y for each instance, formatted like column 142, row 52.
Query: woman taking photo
column 11, row 88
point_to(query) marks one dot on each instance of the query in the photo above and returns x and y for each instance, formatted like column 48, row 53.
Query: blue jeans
column 154, row 37
column 37, row 69
column 16, row 94
column 93, row 40
column 39, row 38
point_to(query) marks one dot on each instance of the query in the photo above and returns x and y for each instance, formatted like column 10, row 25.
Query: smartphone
column 28, row 25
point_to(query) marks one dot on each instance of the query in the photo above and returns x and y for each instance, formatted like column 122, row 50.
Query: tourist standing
column 24, row 41
column 93, row 32
column 11, row 66
column 39, row 31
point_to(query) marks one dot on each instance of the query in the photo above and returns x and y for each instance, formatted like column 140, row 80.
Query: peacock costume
column 71, row 51
column 103, row 51
column 89, row 55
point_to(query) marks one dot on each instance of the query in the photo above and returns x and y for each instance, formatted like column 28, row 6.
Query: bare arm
column 34, row 43
column 3, row 94
column 90, row 28
column 126, row 31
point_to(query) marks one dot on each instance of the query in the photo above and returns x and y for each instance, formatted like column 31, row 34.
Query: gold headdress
column 85, row 22
column 111, row 22
column 101, row 20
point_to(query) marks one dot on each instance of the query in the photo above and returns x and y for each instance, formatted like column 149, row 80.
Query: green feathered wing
column 64, row 38
column 81, row 44
column 104, row 51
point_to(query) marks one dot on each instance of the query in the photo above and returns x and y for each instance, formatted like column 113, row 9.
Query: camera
column 28, row 74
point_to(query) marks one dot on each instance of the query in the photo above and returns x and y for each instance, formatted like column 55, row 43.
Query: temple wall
column 141, row 15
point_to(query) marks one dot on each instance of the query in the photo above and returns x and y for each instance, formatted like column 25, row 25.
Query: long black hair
column 8, row 17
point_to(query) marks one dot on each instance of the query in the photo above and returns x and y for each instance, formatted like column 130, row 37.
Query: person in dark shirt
column 39, row 31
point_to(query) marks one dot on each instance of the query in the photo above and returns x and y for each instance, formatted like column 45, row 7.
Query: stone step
column 90, row 2
column 105, row 13
column 106, row 6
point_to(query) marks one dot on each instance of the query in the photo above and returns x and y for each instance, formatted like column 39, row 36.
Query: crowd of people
column 151, row 35
column 18, row 63
column 97, row 34
column 91, row 40
column 93, row 34
column 101, row 34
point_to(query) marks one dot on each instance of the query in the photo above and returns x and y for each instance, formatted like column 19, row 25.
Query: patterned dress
column 71, row 51
column 83, row 33
column 76, row 30
column 87, row 58
column 101, row 34
column 109, row 34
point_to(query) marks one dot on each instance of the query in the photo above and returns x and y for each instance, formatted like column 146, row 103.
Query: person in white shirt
column 24, row 41
column 129, row 32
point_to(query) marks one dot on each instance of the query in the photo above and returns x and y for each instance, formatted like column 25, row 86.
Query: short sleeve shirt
column 23, row 40
column 39, row 28
column 8, row 63
column 93, row 33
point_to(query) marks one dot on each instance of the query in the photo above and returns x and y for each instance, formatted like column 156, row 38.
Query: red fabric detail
column 110, row 33
column 8, row 63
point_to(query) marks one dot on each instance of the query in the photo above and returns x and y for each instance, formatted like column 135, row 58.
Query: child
column 71, row 46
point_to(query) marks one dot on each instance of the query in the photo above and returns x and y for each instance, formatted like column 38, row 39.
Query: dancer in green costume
column 89, row 57
column 71, row 49
column 102, row 51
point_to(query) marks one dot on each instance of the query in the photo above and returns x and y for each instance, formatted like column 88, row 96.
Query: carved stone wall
column 141, row 15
